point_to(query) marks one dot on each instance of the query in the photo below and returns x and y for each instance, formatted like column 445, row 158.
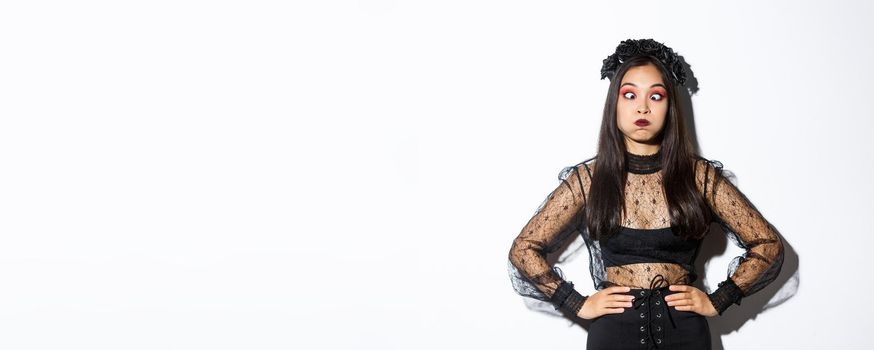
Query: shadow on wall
column 776, row 293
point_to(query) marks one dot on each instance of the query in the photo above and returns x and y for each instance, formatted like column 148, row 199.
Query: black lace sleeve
column 555, row 220
column 763, row 249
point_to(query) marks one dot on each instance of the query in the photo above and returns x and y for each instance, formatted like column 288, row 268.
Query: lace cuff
column 567, row 298
column 728, row 293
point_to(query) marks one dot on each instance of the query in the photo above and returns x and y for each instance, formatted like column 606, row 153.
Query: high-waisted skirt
column 649, row 324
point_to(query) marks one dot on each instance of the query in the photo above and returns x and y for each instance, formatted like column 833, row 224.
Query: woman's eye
column 628, row 93
column 659, row 97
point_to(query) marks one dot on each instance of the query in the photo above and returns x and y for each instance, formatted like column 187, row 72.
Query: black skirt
column 649, row 324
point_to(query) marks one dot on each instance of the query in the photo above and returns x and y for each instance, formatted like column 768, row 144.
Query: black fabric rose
column 608, row 68
column 650, row 46
column 644, row 47
column 679, row 71
column 626, row 49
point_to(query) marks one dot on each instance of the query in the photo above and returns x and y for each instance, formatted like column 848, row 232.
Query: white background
column 350, row 174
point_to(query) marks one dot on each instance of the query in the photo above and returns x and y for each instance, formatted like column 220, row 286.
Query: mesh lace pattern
column 560, row 217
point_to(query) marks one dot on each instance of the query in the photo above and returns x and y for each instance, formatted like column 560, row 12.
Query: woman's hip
column 649, row 323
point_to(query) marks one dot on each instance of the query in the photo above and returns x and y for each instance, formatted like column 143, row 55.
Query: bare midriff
column 641, row 275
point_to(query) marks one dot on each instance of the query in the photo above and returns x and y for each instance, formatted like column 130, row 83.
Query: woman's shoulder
column 706, row 166
column 701, row 161
column 708, row 173
column 582, row 169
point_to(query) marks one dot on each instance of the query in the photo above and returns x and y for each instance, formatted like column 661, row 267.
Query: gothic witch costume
column 646, row 254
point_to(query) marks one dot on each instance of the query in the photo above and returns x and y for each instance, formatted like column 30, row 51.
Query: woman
column 643, row 206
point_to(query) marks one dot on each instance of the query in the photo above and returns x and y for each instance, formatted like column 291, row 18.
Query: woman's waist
column 649, row 275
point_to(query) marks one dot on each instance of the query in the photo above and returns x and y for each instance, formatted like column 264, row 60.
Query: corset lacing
column 654, row 301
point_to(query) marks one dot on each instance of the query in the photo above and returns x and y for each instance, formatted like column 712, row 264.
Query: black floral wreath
column 644, row 47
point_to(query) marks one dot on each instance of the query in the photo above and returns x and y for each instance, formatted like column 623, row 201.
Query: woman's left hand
column 689, row 298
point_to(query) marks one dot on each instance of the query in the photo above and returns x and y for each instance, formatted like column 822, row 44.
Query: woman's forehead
column 643, row 76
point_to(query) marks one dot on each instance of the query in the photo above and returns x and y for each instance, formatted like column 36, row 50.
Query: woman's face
column 642, row 106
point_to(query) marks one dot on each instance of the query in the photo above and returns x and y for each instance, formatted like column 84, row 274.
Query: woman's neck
column 642, row 148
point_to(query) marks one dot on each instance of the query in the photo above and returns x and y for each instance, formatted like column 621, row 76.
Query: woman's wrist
column 728, row 293
column 567, row 298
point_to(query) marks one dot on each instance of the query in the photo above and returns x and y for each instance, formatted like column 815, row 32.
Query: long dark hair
column 690, row 215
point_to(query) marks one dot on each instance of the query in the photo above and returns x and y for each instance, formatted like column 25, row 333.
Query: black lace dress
column 645, row 255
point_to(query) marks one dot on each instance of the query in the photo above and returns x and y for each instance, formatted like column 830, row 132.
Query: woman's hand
column 606, row 301
column 690, row 298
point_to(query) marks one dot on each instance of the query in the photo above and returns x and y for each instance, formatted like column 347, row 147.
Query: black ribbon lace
column 653, row 300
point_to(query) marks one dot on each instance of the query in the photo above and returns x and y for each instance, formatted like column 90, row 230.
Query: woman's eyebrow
column 653, row 85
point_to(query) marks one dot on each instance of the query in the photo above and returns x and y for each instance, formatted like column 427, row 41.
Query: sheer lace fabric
column 762, row 259
column 638, row 258
column 555, row 220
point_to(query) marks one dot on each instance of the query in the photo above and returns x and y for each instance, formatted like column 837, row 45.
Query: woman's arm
column 556, row 219
column 763, row 257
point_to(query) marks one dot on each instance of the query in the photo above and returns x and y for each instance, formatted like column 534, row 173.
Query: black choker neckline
column 643, row 164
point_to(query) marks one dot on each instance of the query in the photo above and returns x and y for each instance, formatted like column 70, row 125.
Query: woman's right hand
column 606, row 301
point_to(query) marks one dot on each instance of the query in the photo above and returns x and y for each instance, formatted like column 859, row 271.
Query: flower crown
column 644, row 47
